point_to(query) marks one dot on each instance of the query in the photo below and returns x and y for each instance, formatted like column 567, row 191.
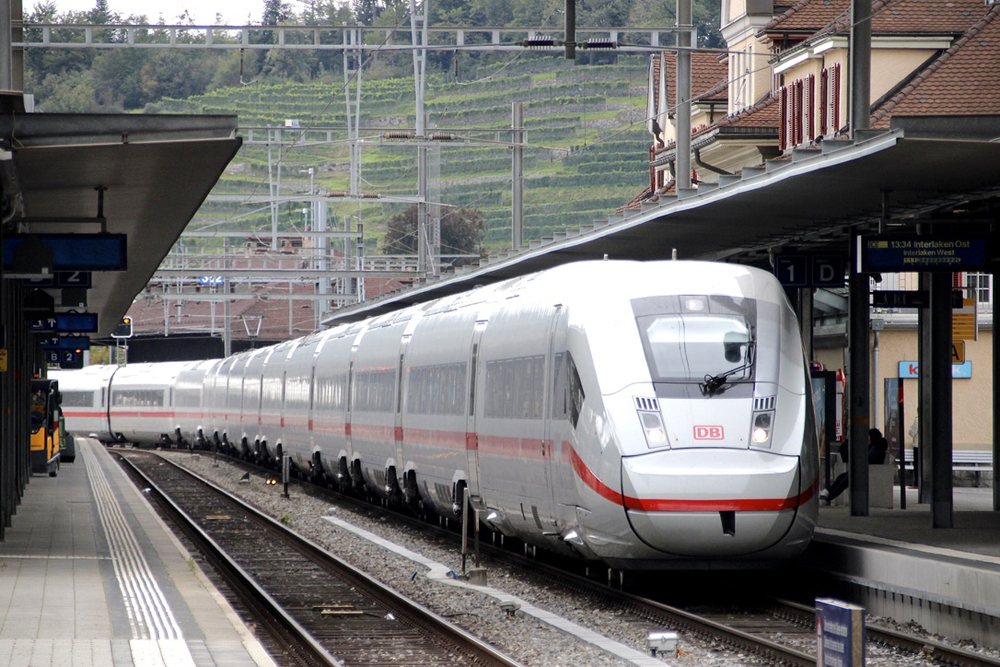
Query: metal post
column 273, row 187
column 858, row 386
column 876, row 330
column 284, row 473
column 921, row 459
column 361, row 261
column 517, row 176
column 570, row 41
column 6, row 45
column 861, row 65
column 902, row 444
column 227, row 327
column 683, row 108
column 996, row 395
column 475, row 527
column 464, row 504
column 940, row 435
column 418, row 31
column 806, row 320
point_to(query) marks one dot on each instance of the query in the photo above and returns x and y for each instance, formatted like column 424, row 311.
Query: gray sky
column 234, row 12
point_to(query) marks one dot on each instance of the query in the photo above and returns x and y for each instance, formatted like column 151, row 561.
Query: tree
column 705, row 17
column 176, row 74
column 462, row 231
column 117, row 78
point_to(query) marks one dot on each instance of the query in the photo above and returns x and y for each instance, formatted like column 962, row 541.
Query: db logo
column 708, row 433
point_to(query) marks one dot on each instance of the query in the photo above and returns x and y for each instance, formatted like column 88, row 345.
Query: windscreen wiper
column 713, row 383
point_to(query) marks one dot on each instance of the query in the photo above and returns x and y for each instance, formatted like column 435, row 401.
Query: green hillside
column 587, row 154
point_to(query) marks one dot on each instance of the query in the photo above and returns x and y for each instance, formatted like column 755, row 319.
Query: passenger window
column 575, row 391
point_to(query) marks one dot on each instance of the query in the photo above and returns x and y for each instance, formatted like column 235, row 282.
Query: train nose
column 721, row 502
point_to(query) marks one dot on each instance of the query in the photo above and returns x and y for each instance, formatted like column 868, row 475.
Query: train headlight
column 652, row 427
column 762, row 427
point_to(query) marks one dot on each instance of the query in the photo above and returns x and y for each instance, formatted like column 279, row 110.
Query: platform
column 946, row 579
column 90, row 575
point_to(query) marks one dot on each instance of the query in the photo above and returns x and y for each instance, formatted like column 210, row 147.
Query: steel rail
column 933, row 650
column 437, row 623
column 249, row 588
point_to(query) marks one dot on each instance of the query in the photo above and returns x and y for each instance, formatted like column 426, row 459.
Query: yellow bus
column 45, row 426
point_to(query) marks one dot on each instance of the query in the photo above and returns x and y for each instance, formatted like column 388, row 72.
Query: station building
column 782, row 86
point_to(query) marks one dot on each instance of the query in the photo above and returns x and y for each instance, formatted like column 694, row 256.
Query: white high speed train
column 644, row 414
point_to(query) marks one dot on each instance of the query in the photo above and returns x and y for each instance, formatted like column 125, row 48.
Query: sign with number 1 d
column 809, row 270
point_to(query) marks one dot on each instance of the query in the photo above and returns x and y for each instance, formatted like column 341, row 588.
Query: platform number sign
column 792, row 270
column 809, row 270
column 65, row 358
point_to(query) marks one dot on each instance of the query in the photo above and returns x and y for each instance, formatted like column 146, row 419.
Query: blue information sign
column 66, row 343
column 840, row 633
column 78, row 279
column 908, row 252
column 74, row 252
column 911, row 370
column 66, row 323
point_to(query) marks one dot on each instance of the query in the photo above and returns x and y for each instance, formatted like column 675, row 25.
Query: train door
column 400, row 477
column 106, row 404
column 552, row 444
column 353, row 461
column 471, row 439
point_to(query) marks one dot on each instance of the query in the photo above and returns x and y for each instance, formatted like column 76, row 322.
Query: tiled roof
column 763, row 114
column 279, row 318
column 961, row 81
column 807, row 16
column 709, row 77
column 931, row 17
column 916, row 17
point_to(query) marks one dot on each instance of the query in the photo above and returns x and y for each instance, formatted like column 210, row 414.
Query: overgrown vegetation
column 87, row 80
column 587, row 147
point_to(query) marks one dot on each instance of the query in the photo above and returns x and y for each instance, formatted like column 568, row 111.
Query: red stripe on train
column 682, row 505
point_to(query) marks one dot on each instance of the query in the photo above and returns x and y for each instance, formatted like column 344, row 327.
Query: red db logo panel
column 709, row 433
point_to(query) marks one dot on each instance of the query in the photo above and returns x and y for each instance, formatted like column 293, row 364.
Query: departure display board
column 901, row 253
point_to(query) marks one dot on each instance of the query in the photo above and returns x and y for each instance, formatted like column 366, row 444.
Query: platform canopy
column 155, row 171
column 921, row 170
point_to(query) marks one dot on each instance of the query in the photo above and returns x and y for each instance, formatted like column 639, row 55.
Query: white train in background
column 644, row 414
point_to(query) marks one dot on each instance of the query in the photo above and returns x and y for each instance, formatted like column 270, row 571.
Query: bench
column 880, row 478
column 968, row 460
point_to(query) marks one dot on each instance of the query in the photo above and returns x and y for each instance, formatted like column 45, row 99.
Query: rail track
column 776, row 631
column 327, row 611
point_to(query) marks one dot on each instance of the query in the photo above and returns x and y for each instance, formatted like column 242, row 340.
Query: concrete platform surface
column 899, row 566
column 90, row 575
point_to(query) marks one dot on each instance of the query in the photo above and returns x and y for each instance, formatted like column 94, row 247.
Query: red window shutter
column 810, row 105
column 835, row 98
column 824, row 81
column 797, row 128
column 782, row 118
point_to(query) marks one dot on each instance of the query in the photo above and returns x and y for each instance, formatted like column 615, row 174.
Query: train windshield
column 689, row 347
